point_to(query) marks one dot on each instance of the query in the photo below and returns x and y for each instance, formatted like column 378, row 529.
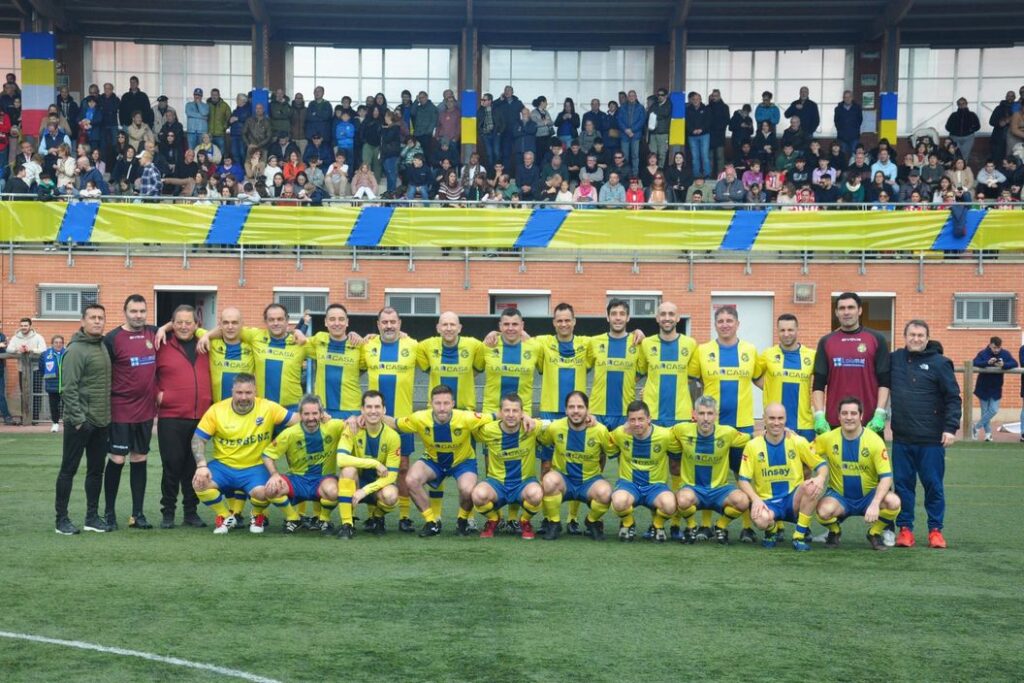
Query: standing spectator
column 658, row 138
column 370, row 131
column 487, row 129
column 109, row 108
column 698, row 138
column 197, row 118
column 524, row 135
column 1000, row 122
column 449, row 120
column 69, row 110
column 283, row 147
column 767, row 111
column 280, row 113
column 926, row 409
column 632, row 120
column 962, row 125
column 26, row 339
column 220, row 119
column 741, row 125
column 989, row 385
column 390, row 149
column 568, row 122
column 718, row 123
column 237, row 122
column 85, row 380
column 1020, row 362
column 318, row 115
column 257, row 130
column 545, row 128
column 49, row 370
column 848, row 118
column 162, row 113
column 424, row 121
column 506, row 111
column 806, row 110
column 133, row 101
column 4, row 410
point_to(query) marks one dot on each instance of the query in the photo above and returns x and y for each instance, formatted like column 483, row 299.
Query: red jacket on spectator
column 184, row 386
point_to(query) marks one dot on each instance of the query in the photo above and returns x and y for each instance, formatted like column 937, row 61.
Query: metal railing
column 969, row 371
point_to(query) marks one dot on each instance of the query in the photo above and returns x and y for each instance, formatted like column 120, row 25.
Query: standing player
column 337, row 359
column 704, row 470
column 132, row 352
column 644, row 452
column 727, row 368
column 229, row 355
column 279, row 358
column 788, row 371
column 772, row 477
column 860, row 476
column 240, row 428
column 511, row 447
column 375, row 445
column 390, row 363
column 580, row 452
column 615, row 360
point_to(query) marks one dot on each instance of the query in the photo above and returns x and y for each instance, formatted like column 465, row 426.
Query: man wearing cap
column 914, row 184
column 197, row 118
column 134, row 101
column 317, row 149
column 658, row 138
column 283, row 147
column 161, row 111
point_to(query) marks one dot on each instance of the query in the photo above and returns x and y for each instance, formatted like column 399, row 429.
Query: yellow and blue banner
column 38, row 78
column 887, row 115
column 469, row 105
column 677, row 126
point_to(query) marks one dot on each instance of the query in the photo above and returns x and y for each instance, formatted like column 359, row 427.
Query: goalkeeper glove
column 820, row 423
column 877, row 423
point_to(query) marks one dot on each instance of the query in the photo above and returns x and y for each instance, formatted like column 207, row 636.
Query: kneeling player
column 580, row 453
column 772, row 476
column 309, row 449
column 860, row 477
column 644, row 451
column 704, row 470
column 511, row 448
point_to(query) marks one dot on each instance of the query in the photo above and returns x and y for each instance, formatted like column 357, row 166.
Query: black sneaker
column 167, row 522
column 369, row 524
column 96, row 523
column 748, row 536
column 307, row 523
column 138, row 521
column 405, row 525
column 832, row 540
column 595, row 530
column 291, row 526
column 627, row 533
column 649, row 534
column 876, row 542
column 193, row 520
column 379, row 527
column 573, row 528
column 722, row 536
column 430, row 529
column 347, row 532
column 64, row 527
column 110, row 519
column 513, row 527
column 553, row 531
column 689, row 536
column 675, row 533
column 462, row 527
column 544, row 524
column 325, row 527
column 702, row 534
column 239, row 521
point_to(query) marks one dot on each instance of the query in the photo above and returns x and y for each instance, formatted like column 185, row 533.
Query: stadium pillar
column 260, row 55
column 890, row 67
column 677, row 80
column 468, row 84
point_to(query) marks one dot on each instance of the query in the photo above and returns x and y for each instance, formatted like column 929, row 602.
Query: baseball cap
column 197, row 91
column 162, row 98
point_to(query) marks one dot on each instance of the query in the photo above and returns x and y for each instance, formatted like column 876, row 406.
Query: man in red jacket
column 183, row 395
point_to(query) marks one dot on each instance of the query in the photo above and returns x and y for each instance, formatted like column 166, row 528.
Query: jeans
column 422, row 190
column 391, row 171
column 658, row 144
column 717, row 160
column 55, row 406
column 175, row 438
column 911, row 462
column 631, row 153
column 566, row 140
column 492, row 148
column 194, row 139
column 989, row 408
column 237, row 149
column 219, row 141
column 848, row 144
column 92, row 441
column 965, row 144
column 700, row 149
column 5, row 412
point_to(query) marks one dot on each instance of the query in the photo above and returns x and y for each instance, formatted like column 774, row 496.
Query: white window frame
column 534, row 294
column 962, row 300
column 304, row 294
column 636, row 299
column 86, row 293
column 417, row 301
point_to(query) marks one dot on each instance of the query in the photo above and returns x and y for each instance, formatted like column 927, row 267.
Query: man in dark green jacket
column 86, row 388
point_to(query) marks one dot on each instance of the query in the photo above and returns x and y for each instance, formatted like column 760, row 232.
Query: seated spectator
column 635, row 195
column 316, row 149
column 90, row 194
column 549, row 188
column 853, row 190
column 730, row 188
column 46, row 188
column 823, row 170
column 826, row 192
column 1005, row 200
column 138, row 131
column 418, row 179
column 553, row 167
column 881, row 202
column 17, row 185
column 283, row 146
column 648, row 172
column 204, row 163
column 786, row 159
column 753, row 175
column 945, row 187
column 446, row 151
column 126, row 171
column 991, row 179
column 182, row 177
column 527, row 176
column 800, row 175
column 699, row 185
column 594, row 173
column 507, row 186
column 249, row 196
column 837, row 158
column 563, row 199
column 795, row 135
column 657, row 193
column 229, row 168
column 961, row 175
column 479, row 189
column 171, row 152
column 276, row 188
column 255, row 165
column 585, row 194
column 213, row 152
column 587, row 136
column 755, row 195
column 314, row 173
column 471, row 170
column 678, row 177
column 63, row 168
column 932, row 171
column 90, row 123
column 743, row 158
column 613, row 191
column 805, row 200
column 336, row 178
column 813, row 153
column 915, row 202
column 903, row 172
column 451, row 189
column 602, row 154
column 765, row 145
column 441, row 173
column 914, row 184
column 172, row 125
column 272, row 168
column 574, row 159
column 364, row 183
column 786, row 196
column 311, row 195
column 293, row 167
column 879, row 184
column 697, row 197
column 885, row 166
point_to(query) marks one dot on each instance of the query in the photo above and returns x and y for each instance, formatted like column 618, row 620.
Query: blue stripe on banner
column 227, row 224
column 743, row 230
column 678, row 100
column 370, row 226
column 946, row 240
column 469, row 104
column 38, row 46
column 541, row 228
column 79, row 220
column 887, row 106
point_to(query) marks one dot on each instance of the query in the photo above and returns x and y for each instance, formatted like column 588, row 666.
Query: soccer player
column 338, row 358
column 772, row 477
column 132, row 407
column 704, row 470
column 390, row 363
column 449, row 359
column 644, row 452
column 615, row 360
column 229, row 355
column 860, row 476
column 511, row 446
column 240, row 428
column 311, row 449
column 448, row 452
column 788, row 371
column 375, row 445
column 580, row 452
column 727, row 367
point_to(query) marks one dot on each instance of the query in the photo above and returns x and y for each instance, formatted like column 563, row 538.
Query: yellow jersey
column 226, row 361
column 384, row 447
column 705, row 458
column 311, row 453
column 511, row 458
column 238, row 440
column 788, row 377
column 644, row 461
column 279, row 365
column 508, row 369
column 449, row 443
column 563, row 369
column 728, row 374
column 579, row 454
column 667, row 389
column 855, row 466
column 391, row 369
column 451, row 366
column 336, row 380
column 615, row 361
column 776, row 470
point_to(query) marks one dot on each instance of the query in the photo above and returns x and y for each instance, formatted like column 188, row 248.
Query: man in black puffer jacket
column 926, row 407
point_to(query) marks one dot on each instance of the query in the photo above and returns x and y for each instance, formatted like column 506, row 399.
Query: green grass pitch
column 396, row 608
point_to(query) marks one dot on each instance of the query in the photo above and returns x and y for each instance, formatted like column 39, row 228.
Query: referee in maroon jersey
column 132, row 349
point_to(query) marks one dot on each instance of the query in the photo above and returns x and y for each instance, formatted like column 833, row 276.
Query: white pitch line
column 175, row 661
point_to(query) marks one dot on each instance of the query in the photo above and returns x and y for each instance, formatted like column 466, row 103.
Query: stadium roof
column 736, row 24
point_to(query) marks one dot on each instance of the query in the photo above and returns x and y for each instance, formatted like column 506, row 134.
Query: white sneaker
column 55, row 428
column 820, row 538
column 231, row 522
column 221, row 526
column 256, row 524
column 988, row 437
column 889, row 538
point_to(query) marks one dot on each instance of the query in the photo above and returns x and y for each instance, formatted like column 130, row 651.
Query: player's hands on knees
column 275, row 486
column 813, row 488
column 201, row 480
column 758, row 509
column 871, row 514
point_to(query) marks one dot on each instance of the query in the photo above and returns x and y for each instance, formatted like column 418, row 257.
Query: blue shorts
column 852, row 507
column 232, row 479
column 782, row 507
column 508, row 494
column 808, row 434
column 612, row 422
column 642, row 495
column 668, row 424
column 408, row 445
column 578, row 492
column 544, row 452
column 440, row 471
column 343, row 414
column 305, row 486
column 736, row 454
column 712, row 498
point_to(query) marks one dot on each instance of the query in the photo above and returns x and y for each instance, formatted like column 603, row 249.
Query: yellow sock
column 326, row 508
column 884, row 517
column 213, row 499
column 659, row 519
column 529, row 510
column 574, row 510
column 302, row 508
column 513, row 510
column 316, row 508
column 553, row 508
column 283, row 504
column 626, row 516
column 705, row 517
column 779, row 527
column 597, row 511
column 259, row 507
column 371, row 509
column 803, row 527
column 488, row 511
column 428, row 515
column 832, row 524
column 677, row 483
column 346, row 488
column 403, row 507
column 747, row 524
column 729, row 513
column 236, row 502
column 381, row 509
column 436, row 502
column 690, row 515
column 463, row 514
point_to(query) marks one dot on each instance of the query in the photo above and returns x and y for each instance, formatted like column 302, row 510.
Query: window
column 414, row 302
column 931, row 81
column 298, row 301
column 984, row 309
column 742, row 76
column 532, row 303
column 65, row 302
column 557, row 74
column 10, row 56
column 362, row 73
column 641, row 304
column 172, row 70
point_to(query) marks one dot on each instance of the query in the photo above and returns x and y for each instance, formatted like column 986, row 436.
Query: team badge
column 464, row 353
column 591, row 442
column 561, row 437
column 864, row 452
column 373, row 351
column 720, row 443
column 527, row 355
column 835, row 449
column 760, row 456
column 711, row 356
column 778, row 358
column 657, row 449
column 807, row 361
column 259, row 421
column 684, row 352
column 744, row 357
column 437, row 352
column 600, row 347
column 149, row 345
column 654, row 351
column 458, row 432
column 861, row 348
column 791, row 454
column 405, row 353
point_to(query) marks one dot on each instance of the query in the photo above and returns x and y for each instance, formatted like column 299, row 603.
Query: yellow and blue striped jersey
column 615, row 362
column 447, row 444
column 391, row 369
column 279, row 365
column 667, row 389
column 705, row 459
column 508, row 369
column 336, row 380
column 451, row 366
column 727, row 373
column 855, row 466
column 788, row 376
column 579, row 454
column 563, row 369
column 385, row 447
column 226, row 361
column 645, row 461
column 238, row 440
column 311, row 453
column 776, row 470
column 511, row 458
